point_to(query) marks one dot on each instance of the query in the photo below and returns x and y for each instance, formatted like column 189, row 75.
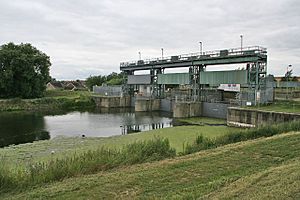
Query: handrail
column 196, row 56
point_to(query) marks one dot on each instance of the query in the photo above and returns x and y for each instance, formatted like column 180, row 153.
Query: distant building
column 280, row 78
column 54, row 85
column 294, row 82
column 74, row 85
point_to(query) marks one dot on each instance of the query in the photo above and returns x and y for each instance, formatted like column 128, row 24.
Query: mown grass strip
column 189, row 177
column 202, row 143
column 138, row 152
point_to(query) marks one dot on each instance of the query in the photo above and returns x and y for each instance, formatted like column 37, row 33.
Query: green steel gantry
column 253, row 75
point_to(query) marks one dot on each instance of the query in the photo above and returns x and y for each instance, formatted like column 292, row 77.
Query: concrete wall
column 132, row 102
column 179, row 109
column 145, row 105
column 112, row 102
column 211, row 95
column 166, row 105
column 255, row 118
column 287, row 94
column 284, row 84
column 125, row 102
column 215, row 110
column 187, row 109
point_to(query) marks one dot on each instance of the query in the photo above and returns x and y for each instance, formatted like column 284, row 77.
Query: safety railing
column 245, row 51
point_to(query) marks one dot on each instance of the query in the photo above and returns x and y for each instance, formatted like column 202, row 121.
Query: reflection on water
column 16, row 128
column 21, row 127
column 127, row 129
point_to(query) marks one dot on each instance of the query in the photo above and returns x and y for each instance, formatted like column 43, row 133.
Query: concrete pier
column 112, row 102
column 187, row 109
column 145, row 105
column 179, row 109
column 242, row 117
column 237, row 117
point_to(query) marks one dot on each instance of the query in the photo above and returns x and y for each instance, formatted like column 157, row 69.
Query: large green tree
column 24, row 71
column 111, row 79
column 95, row 80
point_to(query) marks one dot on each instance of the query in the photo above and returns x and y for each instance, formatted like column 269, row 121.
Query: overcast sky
column 92, row 37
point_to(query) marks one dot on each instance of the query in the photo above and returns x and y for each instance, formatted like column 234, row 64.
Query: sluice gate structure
column 198, row 91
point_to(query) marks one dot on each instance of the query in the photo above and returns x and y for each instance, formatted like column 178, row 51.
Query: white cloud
column 92, row 37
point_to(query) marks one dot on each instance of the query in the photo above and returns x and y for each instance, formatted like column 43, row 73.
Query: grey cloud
column 92, row 37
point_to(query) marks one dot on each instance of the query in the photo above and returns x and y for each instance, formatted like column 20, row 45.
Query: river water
column 23, row 127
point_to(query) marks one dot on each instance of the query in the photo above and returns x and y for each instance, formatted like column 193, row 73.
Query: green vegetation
column 21, row 158
column 280, row 106
column 24, row 71
column 105, row 159
column 85, row 163
column 53, row 100
column 65, row 93
column 21, row 155
column 203, row 143
column 265, row 168
column 202, row 121
column 111, row 79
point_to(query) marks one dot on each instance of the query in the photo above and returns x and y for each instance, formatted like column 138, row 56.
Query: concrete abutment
column 236, row 116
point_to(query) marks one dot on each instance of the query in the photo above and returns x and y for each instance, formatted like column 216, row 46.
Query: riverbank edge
column 46, row 104
column 263, row 132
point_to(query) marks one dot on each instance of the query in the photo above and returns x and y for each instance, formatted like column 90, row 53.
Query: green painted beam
column 175, row 78
column 216, row 78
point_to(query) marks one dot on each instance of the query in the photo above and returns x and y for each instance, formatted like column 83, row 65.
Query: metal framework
column 255, row 57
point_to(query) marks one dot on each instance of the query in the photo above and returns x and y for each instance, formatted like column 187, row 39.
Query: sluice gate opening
column 247, row 85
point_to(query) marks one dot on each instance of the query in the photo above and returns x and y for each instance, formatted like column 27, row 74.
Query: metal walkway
column 228, row 56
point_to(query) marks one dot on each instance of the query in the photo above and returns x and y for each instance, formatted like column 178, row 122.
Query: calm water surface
column 22, row 127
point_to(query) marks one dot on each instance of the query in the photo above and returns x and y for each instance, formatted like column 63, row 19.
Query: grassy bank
column 21, row 155
column 203, row 143
column 202, row 121
column 103, row 159
column 280, row 106
column 47, row 161
column 265, row 168
column 85, row 163
column 53, row 100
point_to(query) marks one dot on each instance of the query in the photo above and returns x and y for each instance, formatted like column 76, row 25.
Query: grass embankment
column 85, row 163
column 140, row 152
column 280, row 106
column 21, row 155
column 203, row 143
column 53, row 100
column 265, row 168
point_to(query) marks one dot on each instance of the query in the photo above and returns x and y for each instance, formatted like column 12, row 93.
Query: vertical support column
column 195, row 81
column 157, row 93
column 256, row 81
column 201, row 87
column 163, row 87
column 253, row 79
column 127, row 89
column 152, row 82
